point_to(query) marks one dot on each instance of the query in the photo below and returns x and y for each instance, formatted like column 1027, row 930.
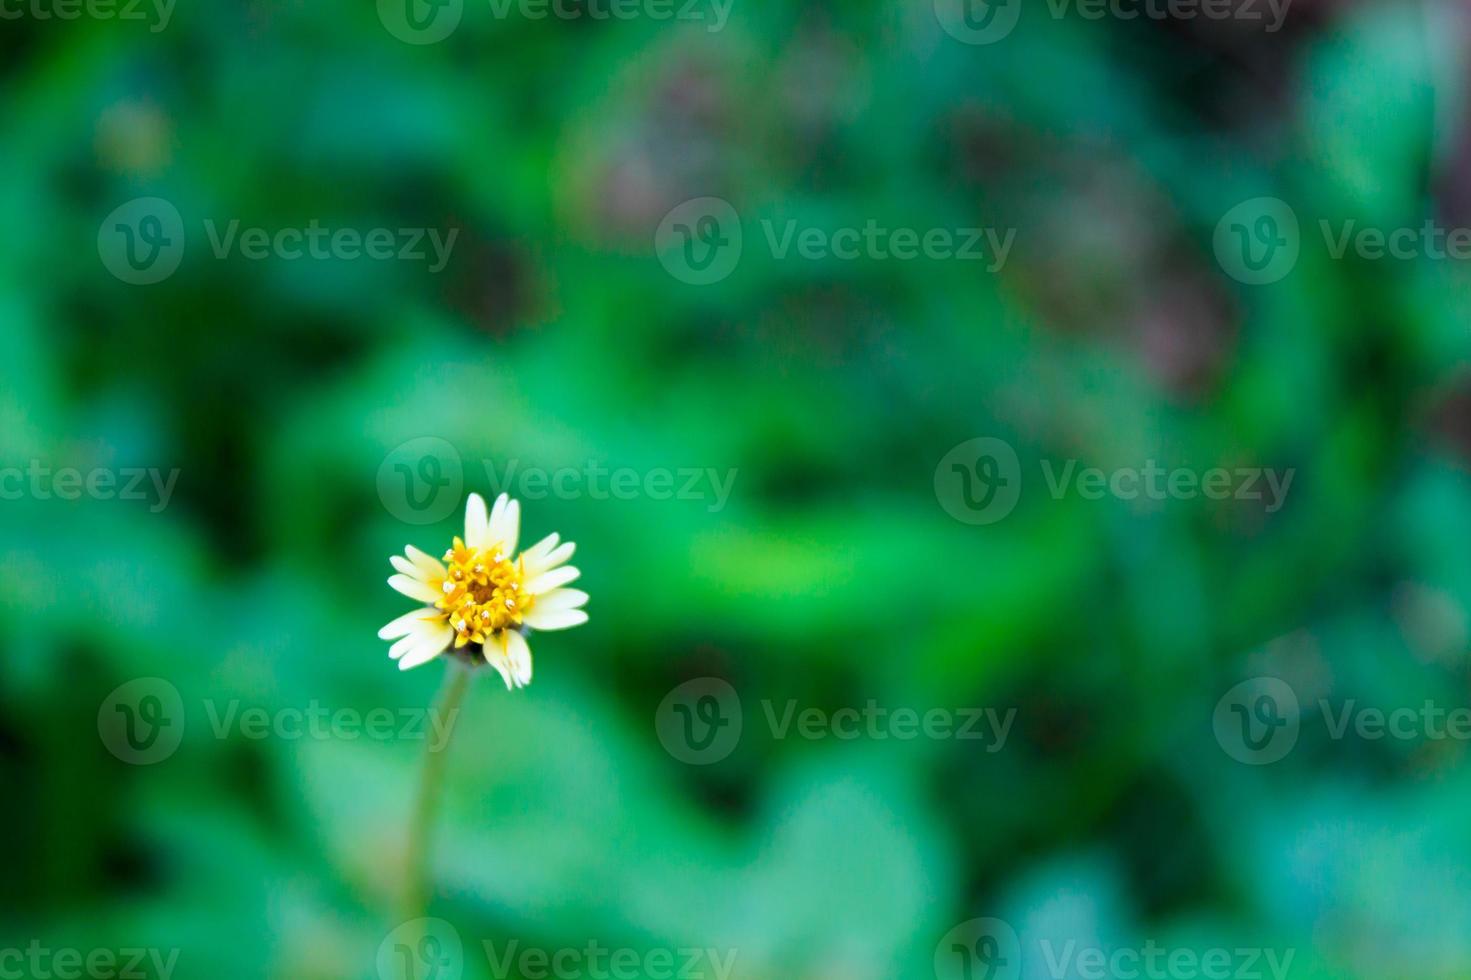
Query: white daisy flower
column 479, row 600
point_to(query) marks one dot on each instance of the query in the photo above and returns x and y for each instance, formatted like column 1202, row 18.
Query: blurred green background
column 560, row 334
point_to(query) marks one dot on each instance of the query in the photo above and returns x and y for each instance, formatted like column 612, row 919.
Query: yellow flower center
column 483, row 592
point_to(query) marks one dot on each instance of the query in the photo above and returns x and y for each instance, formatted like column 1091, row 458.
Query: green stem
column 421, row 824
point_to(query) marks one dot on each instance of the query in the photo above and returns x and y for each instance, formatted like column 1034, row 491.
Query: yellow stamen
column 482, row 593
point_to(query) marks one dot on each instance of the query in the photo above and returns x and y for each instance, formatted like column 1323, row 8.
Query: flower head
column 482, row 598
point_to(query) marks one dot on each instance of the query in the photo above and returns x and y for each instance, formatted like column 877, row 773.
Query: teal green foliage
column 829, row 389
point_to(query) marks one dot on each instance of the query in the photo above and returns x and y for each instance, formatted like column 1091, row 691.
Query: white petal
column 505, row 524
column 409, row 622
column 547, row 581
column 430, row 565
column 432, row 642
column 549, row 561
column 559, row 599
column 498, row 509
column 495, row 655
column 520, row 655
column 475, row 521
column 404, row 645
column 555, row 619
column 407, row 567
column 419, row 655
column 541, row 549
column 414, row 589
